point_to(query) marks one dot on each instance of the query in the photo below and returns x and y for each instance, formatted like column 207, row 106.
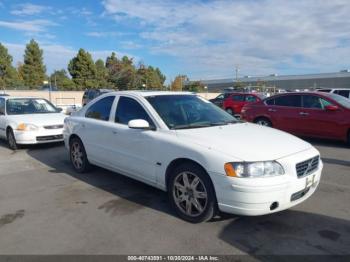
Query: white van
column 339, row 91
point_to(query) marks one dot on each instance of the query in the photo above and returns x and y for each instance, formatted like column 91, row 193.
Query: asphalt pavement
column 47, row 208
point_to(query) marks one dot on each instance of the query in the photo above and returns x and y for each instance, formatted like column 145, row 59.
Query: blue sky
column 203, row 39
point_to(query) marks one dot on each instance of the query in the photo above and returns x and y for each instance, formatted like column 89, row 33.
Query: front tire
column 11, row 139
column 78, row 156
column 263, row 121
column 191, row 193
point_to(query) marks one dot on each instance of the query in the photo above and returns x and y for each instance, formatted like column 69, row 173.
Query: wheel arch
column 71, row 137
column 179, row 161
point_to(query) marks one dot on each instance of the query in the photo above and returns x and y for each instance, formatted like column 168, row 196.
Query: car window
column 324, row 90
column 129, row 109
column 101, row 109
column 312, row 102
column 325, row 103
column 288, row 100
column 22, row 106
column 92, row 94
column 220, row 96
column 344, row 93
column 270, row 102
column 239, row 98
column 250, row 98
column 2, row 106
column 188, row 111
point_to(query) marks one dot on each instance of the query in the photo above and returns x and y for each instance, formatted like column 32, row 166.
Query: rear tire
column 263, row 121
column 11, row 139
column 229, row 110
column 78, row 156
column 193, row 198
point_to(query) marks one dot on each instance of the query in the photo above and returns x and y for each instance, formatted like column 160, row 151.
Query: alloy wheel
column 263, row 122
column 77, row 155
column 190, row 194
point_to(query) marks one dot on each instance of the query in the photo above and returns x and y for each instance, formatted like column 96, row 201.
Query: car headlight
column 254, row 169
column 27, row 127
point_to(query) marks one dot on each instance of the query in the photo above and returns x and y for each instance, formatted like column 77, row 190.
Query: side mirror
column 138, row 124
column 331, row 108
column 59, row 109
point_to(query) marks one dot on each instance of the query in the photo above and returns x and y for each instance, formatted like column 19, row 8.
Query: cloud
column 29, row 9
column 39, row 25
column 58, row 56
column 210, row 37
column 100, row 34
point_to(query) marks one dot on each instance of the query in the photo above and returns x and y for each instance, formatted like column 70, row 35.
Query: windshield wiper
column 190, row 126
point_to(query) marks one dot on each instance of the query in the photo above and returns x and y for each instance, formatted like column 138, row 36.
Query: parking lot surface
column 47, row 208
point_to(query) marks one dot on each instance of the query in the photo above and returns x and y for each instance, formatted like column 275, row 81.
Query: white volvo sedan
column 203, row 157
column 27, row 120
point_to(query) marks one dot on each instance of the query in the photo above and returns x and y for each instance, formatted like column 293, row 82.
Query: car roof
column 302, row 93
column 333, row 89
column 146, row 93
column 22, row 97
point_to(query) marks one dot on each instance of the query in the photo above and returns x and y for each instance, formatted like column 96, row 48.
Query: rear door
column 2, row 118
column 95, row 127
column 237, row 103
column 316, row 121
column 283, row 111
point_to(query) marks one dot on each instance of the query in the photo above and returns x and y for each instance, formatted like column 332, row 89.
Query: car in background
column 345, row 92
column 27, row 120
column 234, row 103
column 310, row 114
column 219, row 100
column 202, row 156
column 3, row 94
column 91, row 94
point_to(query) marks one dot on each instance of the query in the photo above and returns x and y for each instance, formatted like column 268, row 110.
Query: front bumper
column 260, row 196
column 39, row 136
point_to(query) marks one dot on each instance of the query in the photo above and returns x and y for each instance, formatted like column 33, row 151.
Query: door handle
column 303, row 114
column 272, row 110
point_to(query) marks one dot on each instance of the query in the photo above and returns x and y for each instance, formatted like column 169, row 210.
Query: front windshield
column 189, row 111
column 22, row 106
column 345, row 102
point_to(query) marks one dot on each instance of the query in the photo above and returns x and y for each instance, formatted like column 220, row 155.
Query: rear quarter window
column 101, row 109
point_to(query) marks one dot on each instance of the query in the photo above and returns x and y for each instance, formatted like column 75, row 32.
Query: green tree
column 121, row 73
column 83, row 70
column 61, row 80
column 195, row 86
column 149, row 78
column 178, row 83
column 101, row 74
column 33, row 67
column 9, row 77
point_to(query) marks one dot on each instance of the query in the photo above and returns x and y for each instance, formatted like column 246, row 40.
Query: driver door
column 136, row 148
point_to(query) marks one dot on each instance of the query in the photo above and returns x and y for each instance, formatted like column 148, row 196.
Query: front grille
column 307, row 167
column 48, row 138
column 54, row 127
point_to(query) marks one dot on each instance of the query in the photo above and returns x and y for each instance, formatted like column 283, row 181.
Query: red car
column 311, row 114
column 234, row 103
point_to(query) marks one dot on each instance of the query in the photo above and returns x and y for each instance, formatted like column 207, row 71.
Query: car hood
column 39, row 119
column 244, row 141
